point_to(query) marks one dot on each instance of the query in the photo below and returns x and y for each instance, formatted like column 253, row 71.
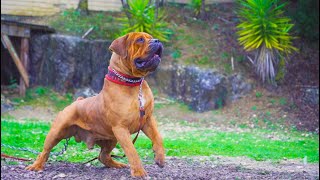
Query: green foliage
column 254, row 108
column 72, row 22
column 41, row 91
column 264, row 27
column 258, row 94
column 239, row 59
column 243, row 126
column 83, row 5
column 283, row 101
column 219, row 103
column 203, row 60
column 225, row 55
column 262, row 24
column 13, row 83
column 306, row 16
column 143, row 18
column 281, row 70
column 268, row 113
column 196, row 6
column 227, row 68
column 254, row 144
column 215, row 27
column 273, row 101
column 176, row 54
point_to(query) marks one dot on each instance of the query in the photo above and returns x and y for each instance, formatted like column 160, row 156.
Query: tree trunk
column 125, row 7
column 202, row 14
column 156, row 10
column 161, row 3
column 83, row 7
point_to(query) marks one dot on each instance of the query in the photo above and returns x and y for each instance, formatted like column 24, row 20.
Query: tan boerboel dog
column 116, row 112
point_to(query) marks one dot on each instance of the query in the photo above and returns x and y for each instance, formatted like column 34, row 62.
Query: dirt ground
column 176, row 168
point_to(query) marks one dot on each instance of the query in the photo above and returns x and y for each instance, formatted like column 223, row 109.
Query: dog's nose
column 155, row 41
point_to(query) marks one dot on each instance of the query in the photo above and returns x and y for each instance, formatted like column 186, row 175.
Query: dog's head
column 139, row 51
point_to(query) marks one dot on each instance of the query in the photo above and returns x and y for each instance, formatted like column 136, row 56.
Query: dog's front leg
column 150, row 129
column 123, row 137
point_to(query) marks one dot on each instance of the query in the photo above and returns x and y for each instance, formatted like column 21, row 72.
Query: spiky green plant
column 264, row 28
column 196, row 6
column 144, row 18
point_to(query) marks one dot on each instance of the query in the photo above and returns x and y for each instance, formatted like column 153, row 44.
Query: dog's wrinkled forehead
column 139, row 37
column 131, row 44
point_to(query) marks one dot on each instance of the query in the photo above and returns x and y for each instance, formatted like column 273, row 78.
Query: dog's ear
column 118, row 46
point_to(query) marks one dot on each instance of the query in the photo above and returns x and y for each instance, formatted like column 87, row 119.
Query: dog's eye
column 140, row 40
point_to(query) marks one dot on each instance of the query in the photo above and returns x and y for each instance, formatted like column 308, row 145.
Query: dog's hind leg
column 150, row 129
column 59, row 130
column 105, row 157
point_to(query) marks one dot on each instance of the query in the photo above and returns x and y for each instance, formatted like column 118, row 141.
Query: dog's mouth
column 151, row 62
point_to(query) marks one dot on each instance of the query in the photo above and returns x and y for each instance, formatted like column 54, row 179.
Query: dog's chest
column 142, row 101
column 138, row 113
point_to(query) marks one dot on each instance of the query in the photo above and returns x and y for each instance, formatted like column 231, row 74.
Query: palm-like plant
column 196, row 5
column 263, row 27
column 144, row 18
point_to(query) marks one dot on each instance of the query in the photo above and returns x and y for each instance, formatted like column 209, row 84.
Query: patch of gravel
column 176, row 168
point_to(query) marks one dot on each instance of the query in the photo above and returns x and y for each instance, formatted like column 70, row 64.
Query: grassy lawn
column 256, row 144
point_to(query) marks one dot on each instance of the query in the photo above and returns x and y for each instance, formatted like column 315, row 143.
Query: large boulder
column 310, row 96
column 68, row 62
column 84, row 93
column 238, row 87
column 202, row 89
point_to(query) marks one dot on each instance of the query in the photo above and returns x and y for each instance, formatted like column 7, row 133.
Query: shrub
column 196, row 6
column 199, row 9
column 258, row 94
column 144, row 17
column 264, row 28
column 306, row 17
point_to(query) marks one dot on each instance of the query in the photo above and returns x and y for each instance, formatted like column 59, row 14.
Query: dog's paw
column 139, row 172
column 109, row 162
column 159, row 160
column 121, row 165
column 115, row 164
column 35, row 167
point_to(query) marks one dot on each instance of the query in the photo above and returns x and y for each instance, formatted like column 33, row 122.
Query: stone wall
column 69, row 63
column 202, row 89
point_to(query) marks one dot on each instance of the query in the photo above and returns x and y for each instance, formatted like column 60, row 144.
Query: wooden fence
column 50, row 7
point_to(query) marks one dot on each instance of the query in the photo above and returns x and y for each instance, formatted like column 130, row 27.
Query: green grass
column 259, row 94
column 254, row 144
column 43, row 96
column 71, row 22
column 248, row 144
